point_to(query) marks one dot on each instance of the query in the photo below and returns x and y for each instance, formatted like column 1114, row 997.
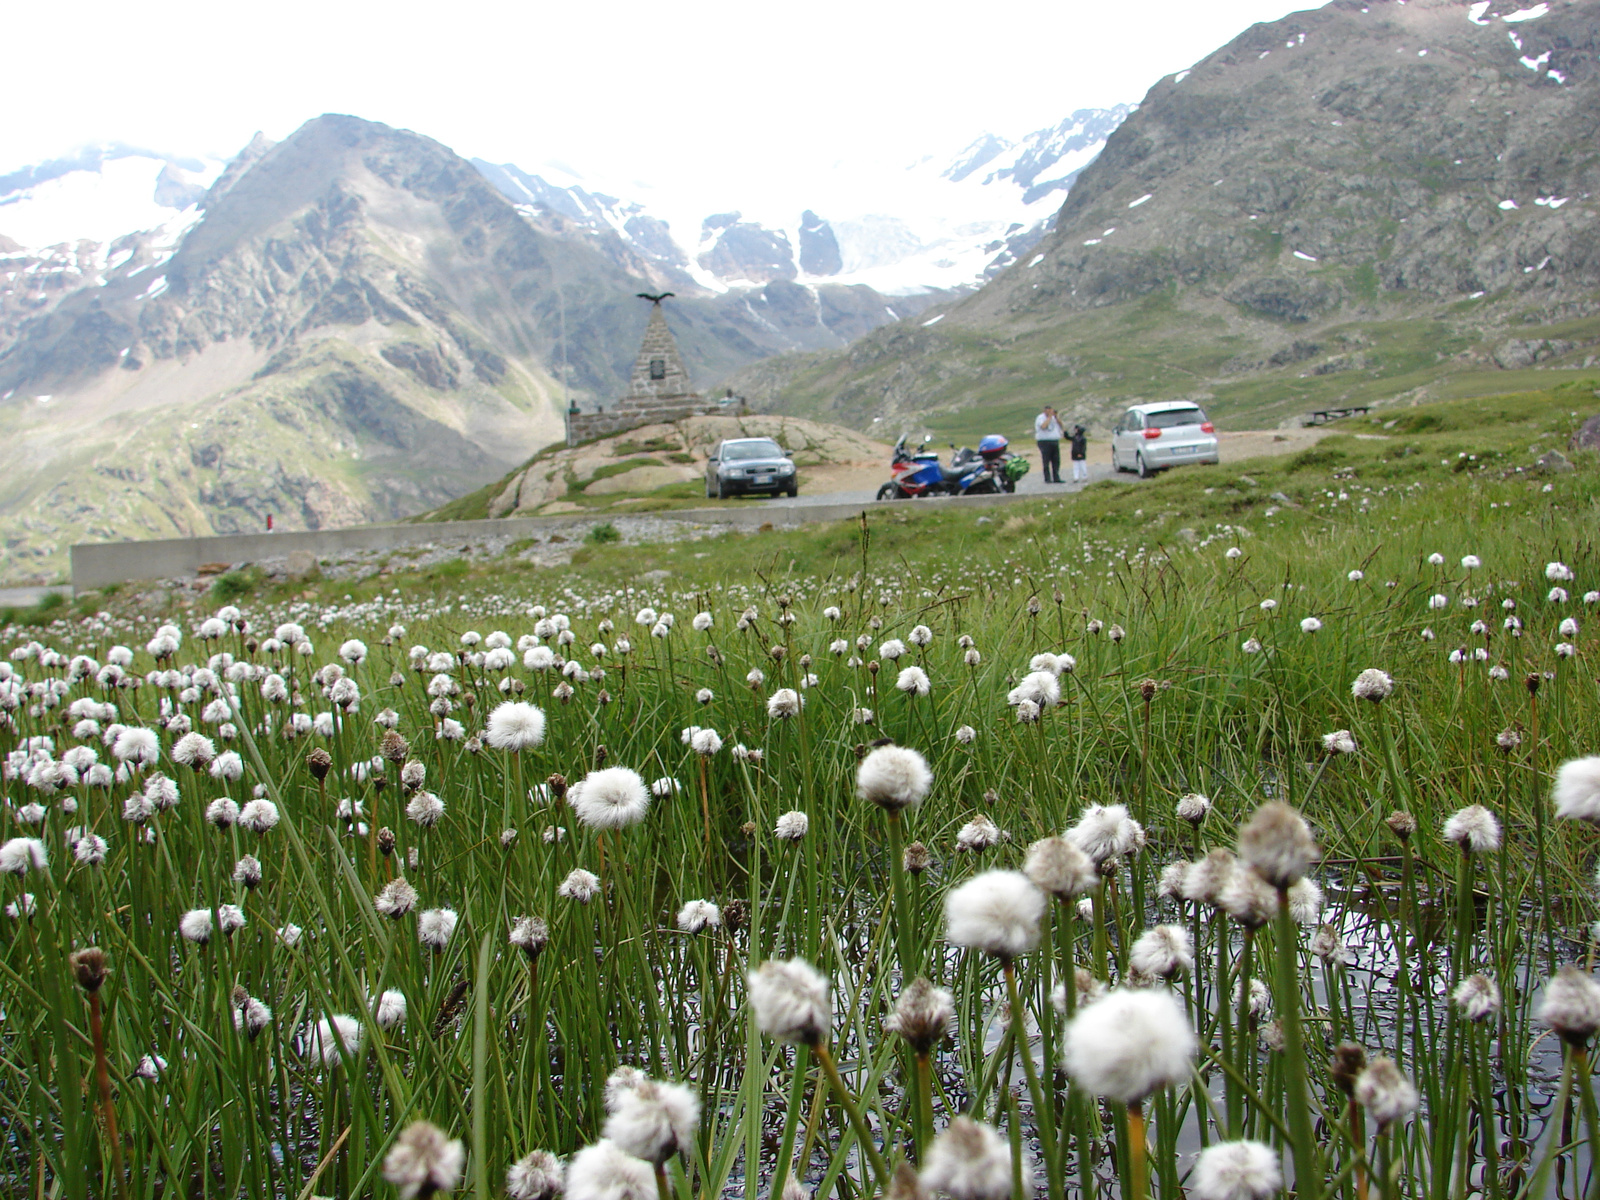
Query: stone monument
column 658, row 391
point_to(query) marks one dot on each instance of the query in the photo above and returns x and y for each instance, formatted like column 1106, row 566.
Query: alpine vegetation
column 1056, row 882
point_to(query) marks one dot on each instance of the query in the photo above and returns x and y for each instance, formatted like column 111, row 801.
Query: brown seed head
column 1402, row 824
column 558, row 786
column 89, row 966
column 734, row 914
column 600, row 756
column 1532, row 682
column 904, row 1184
column 394, row 747
column 1347, row 1062
column 386, row 840
column 1147, row 689
column 239, row 995
column 921, row 1015
column 916, row 858
column 319, row 762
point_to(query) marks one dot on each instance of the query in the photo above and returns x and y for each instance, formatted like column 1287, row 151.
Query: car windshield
column 1170, row 417
column 744, row 451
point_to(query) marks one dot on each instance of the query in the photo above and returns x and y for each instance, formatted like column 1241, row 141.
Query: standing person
column 1080, row 454
column 1047, row 432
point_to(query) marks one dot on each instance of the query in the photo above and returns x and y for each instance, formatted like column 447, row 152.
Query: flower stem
column 1042, row 1114
column 848, row 1103
column 1138, row 1168
column 1307, row 1171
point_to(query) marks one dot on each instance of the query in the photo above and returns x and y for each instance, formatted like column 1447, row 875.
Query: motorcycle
column 988, row 470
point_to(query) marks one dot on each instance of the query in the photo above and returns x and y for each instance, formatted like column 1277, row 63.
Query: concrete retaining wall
column 97, row 564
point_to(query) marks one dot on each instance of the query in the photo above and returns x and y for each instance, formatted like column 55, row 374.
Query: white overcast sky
column 657, row 92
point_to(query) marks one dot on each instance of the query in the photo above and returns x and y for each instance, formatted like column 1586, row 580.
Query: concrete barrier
column 98, row 564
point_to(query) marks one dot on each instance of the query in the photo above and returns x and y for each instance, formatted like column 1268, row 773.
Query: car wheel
column 722, row 490
column 1143, row 467
column 792, row 490
column 709, row 492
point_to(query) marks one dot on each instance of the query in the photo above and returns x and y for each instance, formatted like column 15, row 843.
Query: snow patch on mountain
column 99, row 196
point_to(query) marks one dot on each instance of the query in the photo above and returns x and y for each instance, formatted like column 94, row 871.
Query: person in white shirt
column 1047, row 432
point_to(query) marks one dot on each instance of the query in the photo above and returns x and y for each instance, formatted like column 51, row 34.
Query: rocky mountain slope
column 350, row 325
column 1343, row 204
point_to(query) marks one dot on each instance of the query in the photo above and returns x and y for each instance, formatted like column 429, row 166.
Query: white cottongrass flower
column 702, row 622
column 1372, row 684
column 396, row 898
column 1038, row 687
column 22, row 854
column 1568, row 627
column 654, row 1121
column 580, row 885
column 894, row 778
column 971, row 1161
column 1556, row 595
column 913, row 681
column 539, row 1175
column 792, row 826
column 610, row 798
column 792, row 1000
column 194, row 750
column 604, row 1171
column 1058, row 867
column 965, row 735
column 1438, row 601
column 252, row 1017
column 698, row 915
column 258, row 816
column 1571, row 1004
column 1474, row 828
column 1241, row 1170
column 1385, row 1092
column 390, row 1010
column 891, row 649
column 1193, row 807
column 1162, row 951
column 195, row 926
column 705, row 742
column 435, row 927
column 1233, row 552
column 922, row 1014
column 1251, row 645
column 137, row 745
column 1577, row 790
column 997, row 912
column 1277, row 842
column 515, row 725
column 424, row 1160
column 979, row 834
column 229, row 766
column 425, row 809
column 1558, row 572
column 1356, row 576
column 1310, row 625
column 1106, row 832
column 1268, row 604
column 1471, row 562
column 1129, row 1044
column 1340, row 741
column 1478, row 997
column 1305, row 901
column 784, row 703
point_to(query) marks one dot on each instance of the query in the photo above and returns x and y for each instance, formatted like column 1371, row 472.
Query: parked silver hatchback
column 740, row 466
column 1152, row 437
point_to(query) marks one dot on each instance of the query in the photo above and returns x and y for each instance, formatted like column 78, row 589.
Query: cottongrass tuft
column 195, row 926
column 331, row 1034
column 580, row 885
column 784, row 703
column 530, row 935
column 538, row 1175
column 997, row 912
column 1277, row 842
column 792, row 1001
column 1059, row 868
column 654, row 1121
column 791, row 826
column 1571, row 1004
column 1340, row 741
column 1373, row 685
column 1039, row 687
column 610, row 798
column 1105, row 833
column 1385, row 1092
column 515, row 726
column 21, row 854
column 1474, row 828
column 435, row 927
column 922, row 1014
column 1193, row 807
column 971, row 1161
column 1162, row 952
column 604, row 1171
column 1243, row 1170
column 913, row 681
column 980, row 833
column 424, row 1160
column 396, row 899
column 1577, row 790
column 894, row 778
column 1248, row 898
column 1206, row 881
column 390, row 1010
column 1129, row 1045
column 698, row 915
column 1478, row 997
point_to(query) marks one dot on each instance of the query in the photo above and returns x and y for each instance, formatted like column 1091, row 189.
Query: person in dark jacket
column 1080, row 454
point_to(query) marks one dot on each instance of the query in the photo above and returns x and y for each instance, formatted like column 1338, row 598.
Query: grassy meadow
column 1243, row 863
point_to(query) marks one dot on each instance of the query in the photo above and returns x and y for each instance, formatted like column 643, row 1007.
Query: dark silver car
column 740, row 465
